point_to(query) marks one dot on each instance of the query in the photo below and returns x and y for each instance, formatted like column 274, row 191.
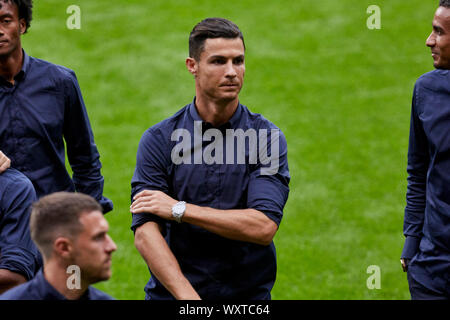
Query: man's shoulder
column 436, row 80
column 96, row 294
column 58, row 72
column 257, row 120
column 165, row 127
column 21, row 292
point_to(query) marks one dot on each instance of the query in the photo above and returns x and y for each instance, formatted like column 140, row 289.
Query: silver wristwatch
column 178, row 211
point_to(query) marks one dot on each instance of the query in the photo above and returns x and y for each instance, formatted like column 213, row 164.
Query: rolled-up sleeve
column 418, row 162
column 268, row 193
column 150, row 173
column 18, row 252
column 82, row 152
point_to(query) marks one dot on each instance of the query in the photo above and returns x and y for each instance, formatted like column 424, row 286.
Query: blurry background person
column 71, row 233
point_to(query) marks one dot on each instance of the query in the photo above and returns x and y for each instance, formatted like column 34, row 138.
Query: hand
column 154, row 202
column 5, row 163
column 404, row 263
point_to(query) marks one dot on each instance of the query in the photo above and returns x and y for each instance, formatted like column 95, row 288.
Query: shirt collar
column 232, row 123
column 45, row 289
column 25, row 66
column 48, row 292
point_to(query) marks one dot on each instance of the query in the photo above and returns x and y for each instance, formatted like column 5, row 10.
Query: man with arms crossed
column 72, row 235
column 41, row 107
column 19, row 257
column 204, row 218
column 426, row 253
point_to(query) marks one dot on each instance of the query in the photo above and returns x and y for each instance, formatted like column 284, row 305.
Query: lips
column 229, row 85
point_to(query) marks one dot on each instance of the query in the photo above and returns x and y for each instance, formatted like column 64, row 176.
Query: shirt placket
column 18, row 132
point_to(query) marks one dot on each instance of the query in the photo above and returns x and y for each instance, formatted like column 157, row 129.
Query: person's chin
column 230, row 95
column 440, row 65
column 106, row 275
column 5, row 52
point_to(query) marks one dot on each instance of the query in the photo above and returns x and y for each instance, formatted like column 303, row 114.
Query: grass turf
column 340, row 92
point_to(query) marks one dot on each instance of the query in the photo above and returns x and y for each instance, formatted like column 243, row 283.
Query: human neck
column 10, row 65
column 216, row 112
column 56, row 274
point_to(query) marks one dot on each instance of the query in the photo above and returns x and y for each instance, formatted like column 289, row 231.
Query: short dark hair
column 57, row 215
column 25, row 10
column 211, row 28
column 444, row 3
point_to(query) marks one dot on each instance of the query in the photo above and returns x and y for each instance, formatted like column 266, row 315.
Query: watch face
column 178, row 208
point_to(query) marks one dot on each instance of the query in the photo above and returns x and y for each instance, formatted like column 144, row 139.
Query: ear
column 63, row 247
column 22, row 26
column 192, row 66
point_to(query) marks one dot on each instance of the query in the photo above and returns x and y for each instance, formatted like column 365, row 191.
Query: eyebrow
column 223, row 57
column 100, row 233
column 437, row 27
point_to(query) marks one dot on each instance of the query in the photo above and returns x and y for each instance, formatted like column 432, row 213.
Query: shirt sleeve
column 18, row 253
column 418, row 162
column 268, row 187
column 82, row 152
column 150, row 173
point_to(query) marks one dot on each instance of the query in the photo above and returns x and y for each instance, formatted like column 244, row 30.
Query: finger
column 143, row 193
column 4, row 166
column 147, row 209
column 140, row 204
column 147, row 199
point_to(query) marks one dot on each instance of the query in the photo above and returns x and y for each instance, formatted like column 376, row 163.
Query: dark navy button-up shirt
column 222, row 178
column 427, row 213
column 17, row 251
column 40, row 289
column 43, row 107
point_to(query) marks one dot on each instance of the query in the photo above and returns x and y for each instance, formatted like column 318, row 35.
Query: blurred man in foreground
column 71, row 233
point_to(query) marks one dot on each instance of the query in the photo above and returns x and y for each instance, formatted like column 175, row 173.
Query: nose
column 431, row 40
column 230, row 70
column 111, row 247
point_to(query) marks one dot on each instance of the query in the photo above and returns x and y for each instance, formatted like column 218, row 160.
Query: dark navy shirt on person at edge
column 40, row 289
column 17, row 251
column 218, row 268
column 427, row 212
column 43, row 106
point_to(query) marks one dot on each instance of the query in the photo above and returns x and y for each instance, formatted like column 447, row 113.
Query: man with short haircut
column 426, row 253
column 207, row 196
column 72, row 235
column 19, row 257
column 41, row 110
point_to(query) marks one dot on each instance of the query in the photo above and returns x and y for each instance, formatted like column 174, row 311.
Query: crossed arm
column 244, row 225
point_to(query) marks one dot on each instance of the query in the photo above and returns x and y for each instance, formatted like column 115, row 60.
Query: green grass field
column 340, row 92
